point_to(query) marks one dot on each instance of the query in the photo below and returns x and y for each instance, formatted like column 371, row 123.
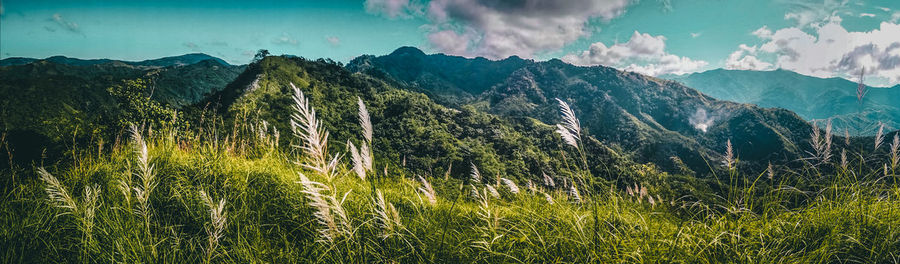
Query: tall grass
column 570, row 132
column 278, row 212
column 307, row 128
column 215, row 230
column 270, row 218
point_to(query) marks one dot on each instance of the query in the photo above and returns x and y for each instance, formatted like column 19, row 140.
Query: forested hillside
column 415, row 158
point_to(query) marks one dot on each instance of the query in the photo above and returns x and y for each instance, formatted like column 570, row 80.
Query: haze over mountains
column 810, row 97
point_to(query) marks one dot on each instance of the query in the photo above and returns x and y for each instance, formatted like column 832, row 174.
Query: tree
column 261, row 54
column 133, row 98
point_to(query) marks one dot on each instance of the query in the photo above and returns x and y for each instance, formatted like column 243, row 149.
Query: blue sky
column 824, row 38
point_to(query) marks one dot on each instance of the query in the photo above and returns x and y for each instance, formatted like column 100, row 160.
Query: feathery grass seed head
column 513, row 188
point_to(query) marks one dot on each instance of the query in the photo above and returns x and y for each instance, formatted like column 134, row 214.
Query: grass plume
column 215, row 229
column 310, row 131
column 328, row 211
column 428, row 191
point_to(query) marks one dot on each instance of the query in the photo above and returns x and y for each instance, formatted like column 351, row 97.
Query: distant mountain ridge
column 656, row 119
column 186, row 59
column 810, row 97
column 44, row 102
column 643, row 118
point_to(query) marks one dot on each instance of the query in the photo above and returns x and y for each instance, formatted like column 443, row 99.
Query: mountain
column 47, row 103
column 464, row 108
column 810, row 97
column 412, row 131
column 449, row 79
column 228, row 177
column 656, row 120
column 186, row 59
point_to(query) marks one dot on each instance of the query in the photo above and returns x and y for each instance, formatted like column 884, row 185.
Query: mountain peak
column 186, row 59
column 408, row 50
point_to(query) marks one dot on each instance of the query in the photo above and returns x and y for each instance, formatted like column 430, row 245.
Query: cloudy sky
column 824, row 38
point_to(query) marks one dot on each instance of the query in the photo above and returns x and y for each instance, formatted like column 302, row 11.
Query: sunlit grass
column 269, row 219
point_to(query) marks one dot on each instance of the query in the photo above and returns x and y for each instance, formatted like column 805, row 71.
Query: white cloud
column 394, row 8
column 832, row 51
column 333, row 41
column 668, row 64
column 866, row 15
column 701, row 120
column 450, row 42
column 285, row 39
column 497, row 29
column 764, row 32
column 895, row 17
column 696, row 34
column 885, row 9
column 642, row 53
column 745, row 59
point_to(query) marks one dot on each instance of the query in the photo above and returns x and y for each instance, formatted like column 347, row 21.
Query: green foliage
column 429, row 137
column 133, row 100
column 648, row 117
column 49, row 108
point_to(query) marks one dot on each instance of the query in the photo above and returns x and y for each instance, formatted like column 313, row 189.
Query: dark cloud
column 885, row 59
column 500, row 28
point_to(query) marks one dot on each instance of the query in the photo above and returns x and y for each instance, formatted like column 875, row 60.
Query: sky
column 822, row 38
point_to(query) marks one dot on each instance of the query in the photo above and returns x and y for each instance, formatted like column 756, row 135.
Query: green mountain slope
column 810, row 97
column 412, row 132
column 231, row 189
column 45, row 104
column 654, row 118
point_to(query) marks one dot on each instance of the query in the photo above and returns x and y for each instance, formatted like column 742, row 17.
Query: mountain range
column 48, row 102
column 448, row 109
column 815, row 99
column 654, row 119
column 186, row 59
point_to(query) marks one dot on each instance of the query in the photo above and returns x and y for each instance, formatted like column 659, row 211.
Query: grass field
column 170, row 196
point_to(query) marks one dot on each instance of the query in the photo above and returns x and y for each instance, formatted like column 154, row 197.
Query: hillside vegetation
column 300, row 161
column 653, row 119
column 55, row 104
